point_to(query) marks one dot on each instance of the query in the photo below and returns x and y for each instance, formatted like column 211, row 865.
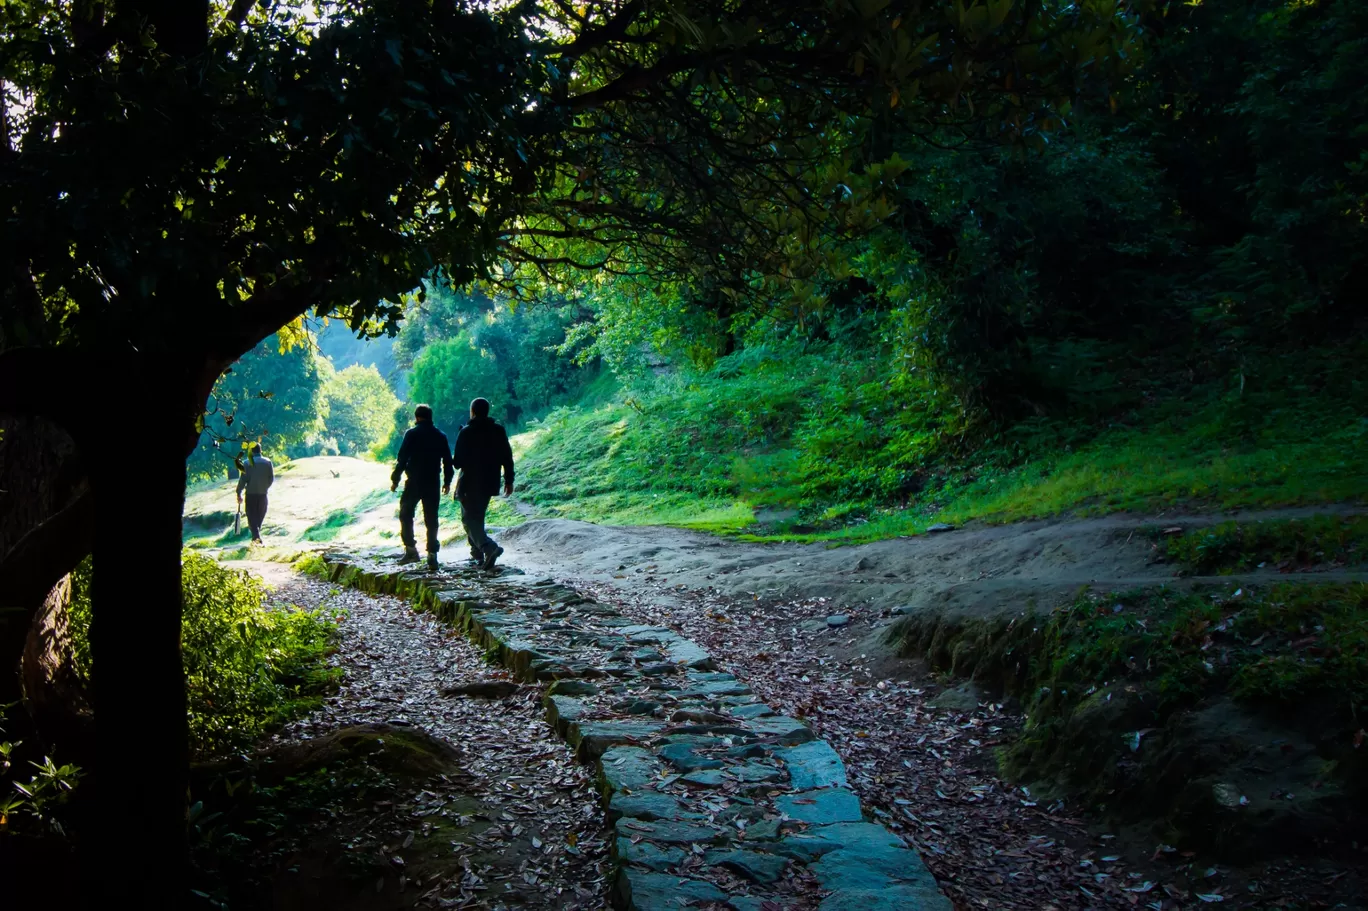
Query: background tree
column 359, row 407
column 449, row 373
column 182, row 180
column 271, row 396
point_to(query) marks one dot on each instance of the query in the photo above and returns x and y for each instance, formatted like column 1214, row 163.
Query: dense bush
column 248, row 665
column 359, row 409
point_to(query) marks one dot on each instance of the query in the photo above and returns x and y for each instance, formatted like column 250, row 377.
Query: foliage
column 343, row 348
column 269, row 396
column 360, row 408
column 37, row 802
column 850, row 442
column 448, row 374
column 1287, row 642
column 248, row 665
column 460, row 345
column 1288, row 544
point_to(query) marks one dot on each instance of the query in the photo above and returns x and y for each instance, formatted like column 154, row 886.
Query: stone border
column 665, row 733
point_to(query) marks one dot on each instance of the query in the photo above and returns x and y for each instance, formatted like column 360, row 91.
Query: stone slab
column 821, row 807
column 668, row 832
column 649, row 855
column 643, row 890
column 757, row 867
column 813, row 765
column 628, row 768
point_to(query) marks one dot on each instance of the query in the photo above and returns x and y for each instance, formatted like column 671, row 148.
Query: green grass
column 339, row 519
column 1287, row 544
column 1289, row 641
column 844, row 453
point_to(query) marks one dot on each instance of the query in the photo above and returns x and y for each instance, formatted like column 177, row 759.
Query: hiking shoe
column 432, row 563
column 410, row 555
column 495, row 553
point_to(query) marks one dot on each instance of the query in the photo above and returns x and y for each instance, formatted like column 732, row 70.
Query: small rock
column 485, row 689
column 705, row 778
column 963, row 698
column 939, row 527
column 902, row 610
column 837, row 620
column 637, row 707
column 565, row 687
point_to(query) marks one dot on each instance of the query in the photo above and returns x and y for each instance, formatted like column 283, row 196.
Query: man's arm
column 270, row 473
column 242, row 480
column 401, row 463
column 507, row 465
column 448, row 467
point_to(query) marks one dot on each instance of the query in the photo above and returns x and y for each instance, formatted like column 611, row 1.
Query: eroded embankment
column 1225, row 716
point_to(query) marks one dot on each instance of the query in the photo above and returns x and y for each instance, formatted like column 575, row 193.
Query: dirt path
column 974, row 570
column 518, row 826
column 769, row 613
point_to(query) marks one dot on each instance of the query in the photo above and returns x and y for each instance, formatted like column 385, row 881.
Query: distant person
column 482, row 450
column 257, row 476
column 423, row 456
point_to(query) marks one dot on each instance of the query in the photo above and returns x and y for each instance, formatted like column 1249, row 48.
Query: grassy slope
column 322, row 500
column 718, row 452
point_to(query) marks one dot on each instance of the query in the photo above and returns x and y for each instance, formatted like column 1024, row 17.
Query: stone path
column 517, row 827
column 713, row 797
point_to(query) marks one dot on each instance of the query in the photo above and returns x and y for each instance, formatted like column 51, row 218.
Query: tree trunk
column 40, row 475
column 54, row 693
column 140, row 845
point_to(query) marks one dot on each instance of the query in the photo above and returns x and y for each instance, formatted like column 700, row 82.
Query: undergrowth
column 1285, row 544
column 249, row 666
column 824, row 443
column 1289, row 642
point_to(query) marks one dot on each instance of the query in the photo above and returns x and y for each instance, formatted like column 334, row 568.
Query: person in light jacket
column 258, row 474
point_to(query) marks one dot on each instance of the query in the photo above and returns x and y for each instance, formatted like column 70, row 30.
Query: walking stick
column 237, row 518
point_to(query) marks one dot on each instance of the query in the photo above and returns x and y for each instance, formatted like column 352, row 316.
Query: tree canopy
column 182, row 180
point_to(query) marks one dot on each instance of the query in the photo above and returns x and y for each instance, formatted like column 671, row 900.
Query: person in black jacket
column 482, row 452
column 424, row 452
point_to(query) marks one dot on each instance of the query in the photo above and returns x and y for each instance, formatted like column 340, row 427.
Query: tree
column 360, row 407
column 182, row 180
column 269, row 396
column 449, row 374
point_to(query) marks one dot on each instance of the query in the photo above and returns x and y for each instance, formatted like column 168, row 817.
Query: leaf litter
column 519, row 826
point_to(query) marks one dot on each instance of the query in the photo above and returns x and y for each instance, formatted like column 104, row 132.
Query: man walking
column 482, row 451
column 257, row 476
column 424, row 452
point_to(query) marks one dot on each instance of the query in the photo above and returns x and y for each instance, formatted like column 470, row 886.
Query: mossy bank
column 1228, row 719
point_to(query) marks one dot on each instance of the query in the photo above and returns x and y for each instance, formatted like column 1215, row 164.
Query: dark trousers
column 473, row 509
column 256, row 513
column 431, row 498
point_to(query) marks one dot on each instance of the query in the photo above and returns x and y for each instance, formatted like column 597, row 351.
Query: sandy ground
column 976, row 570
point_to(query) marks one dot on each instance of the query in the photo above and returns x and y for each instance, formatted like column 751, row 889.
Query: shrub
column 248, row 666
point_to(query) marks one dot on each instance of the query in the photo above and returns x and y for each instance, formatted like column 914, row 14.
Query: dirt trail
column 977, row 570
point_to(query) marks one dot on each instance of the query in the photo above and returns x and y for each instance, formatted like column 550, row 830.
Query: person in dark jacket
column 424, row 454
column 482, row 453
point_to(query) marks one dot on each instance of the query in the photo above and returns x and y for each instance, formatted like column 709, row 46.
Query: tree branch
column 47, row 553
